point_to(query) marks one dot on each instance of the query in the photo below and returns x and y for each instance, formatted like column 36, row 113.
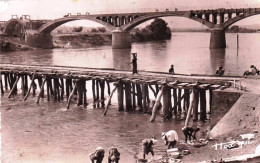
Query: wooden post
column 62, row 88
column 186, row 99
column 41, row 90
column 11, row 80
column 68, row 83
column 26, row 96
column 84, row 93
column 48, row 87
column 120, row 97
column 157, row 104
column 97, row 89
column 93, row 92
column 195, row 104
column 179, row 98
column 34, row 87
column 203, row 113
column 144, row 96
column 174, row 94
column 190, row 108
column 72, row 94
column 166, row 98
column 108, row 88
column 1, row 84
column 26, row 83
column 22, row 85
column 133, row 96
column 147, row 95
column 6, row 81
column 128, row 98
column 80, row 89
column 210, row 100
column 55, row 90
column 14, row 86
column 102, row 92
column 154, row 92
column 139, row 95
column 110, row 96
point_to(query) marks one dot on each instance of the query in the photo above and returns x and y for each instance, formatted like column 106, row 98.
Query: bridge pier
column 121, row 39
column 39, row 40
column 217, row 39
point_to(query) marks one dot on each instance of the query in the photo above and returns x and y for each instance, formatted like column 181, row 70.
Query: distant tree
column 234, row 28
column 102, row 29
column 160, row 29
column 77, row 29
column 93, row 30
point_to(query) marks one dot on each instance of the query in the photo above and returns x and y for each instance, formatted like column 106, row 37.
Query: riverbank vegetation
column 85, row 37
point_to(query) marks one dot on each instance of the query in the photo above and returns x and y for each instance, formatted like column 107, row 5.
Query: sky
column 52, row 9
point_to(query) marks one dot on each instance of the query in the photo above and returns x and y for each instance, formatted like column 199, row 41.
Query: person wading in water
column 134, row 62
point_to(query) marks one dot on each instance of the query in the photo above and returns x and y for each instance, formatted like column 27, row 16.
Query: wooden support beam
column 94, row 92
column 62, row 88
column 203, row 113
column 102, row 87
column 72, row 94
column 186, row 99
column 166, row 102
column 128, row 98
column 40, row 84
column 97, row 93
column 157, row 104
column 154, row 92
column 41, row 90
column 108, row 88
column 6, row 81
column 174, row 94
column 23, row 85
column 120, row 97
column 56, row 89
column 26, row 83
column 26, row 96
column 68, row 83
column 110, row 97
column 144, row 97
column 85, row 94
column 190, row 108
column 139, row 95
column 210, row 100
column 133, row 96
column 179, row 99
column 1, row 84
column 48, row 88
column 195, row 104
column 80, row 89
column 14, row 86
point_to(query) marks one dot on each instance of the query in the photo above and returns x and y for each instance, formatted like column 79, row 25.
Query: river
column 45, row 132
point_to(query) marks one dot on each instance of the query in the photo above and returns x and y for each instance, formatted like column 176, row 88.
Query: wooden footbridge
column 60, row 81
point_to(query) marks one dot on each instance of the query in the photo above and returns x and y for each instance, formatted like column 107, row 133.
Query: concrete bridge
column 37, row 32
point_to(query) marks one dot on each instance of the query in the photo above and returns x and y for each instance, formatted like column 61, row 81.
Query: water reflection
column 121, row 59
column 32, row 57
column 217, row 59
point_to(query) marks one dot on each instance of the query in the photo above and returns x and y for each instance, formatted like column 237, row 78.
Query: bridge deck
column 115, row 75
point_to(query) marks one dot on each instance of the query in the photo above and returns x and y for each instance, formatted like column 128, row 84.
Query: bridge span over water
column 37, row 32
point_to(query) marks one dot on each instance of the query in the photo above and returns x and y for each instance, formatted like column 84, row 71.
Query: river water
column 46, row 133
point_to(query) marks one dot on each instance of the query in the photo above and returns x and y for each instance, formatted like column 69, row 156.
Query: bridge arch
column 238, row 18
column 135, row 22
column 14, row 27
column 48, row 27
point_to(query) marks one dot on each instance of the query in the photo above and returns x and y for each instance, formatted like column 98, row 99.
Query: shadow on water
column 217, row 59
column 122, row 59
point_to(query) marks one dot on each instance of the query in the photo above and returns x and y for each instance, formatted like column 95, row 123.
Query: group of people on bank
column 170, row 139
